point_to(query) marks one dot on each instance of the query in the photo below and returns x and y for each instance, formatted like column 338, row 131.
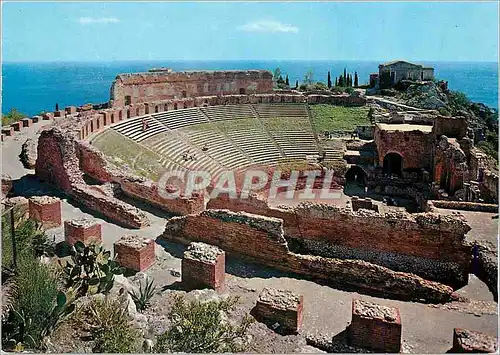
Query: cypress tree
column 341, row 81
column 329, row 80
column 336, row 82
column 286, row 81
column 345, row 77
column 356, row 79
column 348, row 80
column 297, row 84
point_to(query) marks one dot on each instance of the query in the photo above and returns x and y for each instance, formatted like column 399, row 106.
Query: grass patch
column 128, row 154
column 286, row 123
column 338, row 118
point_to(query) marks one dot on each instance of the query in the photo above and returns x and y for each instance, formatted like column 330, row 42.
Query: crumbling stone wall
column 58, row 163
column 427, row 244
column 153, row 86
column 261, row 239
column 415, row 147
column 450, row 165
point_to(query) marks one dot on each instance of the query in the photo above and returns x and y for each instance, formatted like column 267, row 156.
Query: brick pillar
column 8, row 131
column 204, row 266
column 46, row 210
column 282, row 307
column 27, row 122
column 16, row 126
column 469, row 341
column 48, row 116
column 36, row 119
column 83, row 230
column 375, row 327
column 59, row 113
column 135, row 252
column 71, row 110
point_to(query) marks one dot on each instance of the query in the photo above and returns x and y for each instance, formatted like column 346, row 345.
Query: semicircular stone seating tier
column 226, row 137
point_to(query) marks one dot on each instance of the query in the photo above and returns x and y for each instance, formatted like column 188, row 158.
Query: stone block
column 83, row 230
column 27, row 122
column 3, row 137
column 135, row 252
column 8, row 131
column 6, row 185
column 204, row 266
column 46, row 210
column 280, row 306
column 17, row 126
column 375, row 327
column 36, row 119
column 48, row 116
column 469, row 341
column 70, row 110
column 59, row 113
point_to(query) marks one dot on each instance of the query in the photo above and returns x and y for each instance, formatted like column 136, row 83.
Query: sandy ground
column 426, row 328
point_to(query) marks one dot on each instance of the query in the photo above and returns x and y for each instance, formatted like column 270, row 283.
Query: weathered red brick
column 135, row 252
column 280, row 306
column 46, row 210
column 469, row 341
column 203, row 266
column 83, row 230
column 375, row 327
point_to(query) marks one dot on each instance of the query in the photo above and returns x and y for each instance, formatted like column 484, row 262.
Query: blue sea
column 35, row 87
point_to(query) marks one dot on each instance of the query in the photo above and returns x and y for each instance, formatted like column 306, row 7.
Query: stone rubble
column 372, row 310
column 133, row 241
column 203, row 252
column 282, row 299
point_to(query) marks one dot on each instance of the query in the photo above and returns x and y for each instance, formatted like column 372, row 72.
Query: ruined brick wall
column 414, row 146
column 455, row 127
column 400, row 241
column 489, row 186
column 153, row 86
column 461, row 205
column 261, row 239
column 450, row 165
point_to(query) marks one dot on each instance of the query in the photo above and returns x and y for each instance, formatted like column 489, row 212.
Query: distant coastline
column 32, row 87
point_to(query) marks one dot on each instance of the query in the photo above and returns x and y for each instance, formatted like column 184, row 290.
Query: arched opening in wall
column 393, row 164
column 184, row 93
column 356, row 181
column 175, row 106
column 128, row 113
column 137, row 111
column 91, row 126
column 156, row 109
column 112, row 118
column 356, row 175
column 120, row 115
column 185, row 105
column 128, row 100
column 146, row 109
column 165, row 108
column 242, row 91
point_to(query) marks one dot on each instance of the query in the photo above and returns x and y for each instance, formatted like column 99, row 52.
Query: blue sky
column 221, row 30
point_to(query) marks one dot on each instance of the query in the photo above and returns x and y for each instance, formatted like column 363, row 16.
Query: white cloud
column 87, row 20
column 268, row 26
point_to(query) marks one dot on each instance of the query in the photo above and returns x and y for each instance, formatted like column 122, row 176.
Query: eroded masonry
column 418, row 155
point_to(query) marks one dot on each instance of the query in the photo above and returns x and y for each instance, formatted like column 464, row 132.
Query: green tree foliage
column 341, row 81
column 110, row 325
column 287, row 82
column 277, row 74
column 329, row 80
column 309, row 77
column 203, row 327
column 356, row 83
column 458, row 101
column 296, row 84
column 345, row 77
column 336, row 82
column 12, row 116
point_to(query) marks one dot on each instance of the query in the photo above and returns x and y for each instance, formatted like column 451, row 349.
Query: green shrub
column 91, row 269
column 12, row 116
column 110, row 326
column 37, row 307
column 145, row 294
column 202, row 327
column 458, row 101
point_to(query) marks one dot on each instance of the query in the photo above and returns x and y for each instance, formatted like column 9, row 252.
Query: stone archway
column 393, row 164
column 356, row 175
